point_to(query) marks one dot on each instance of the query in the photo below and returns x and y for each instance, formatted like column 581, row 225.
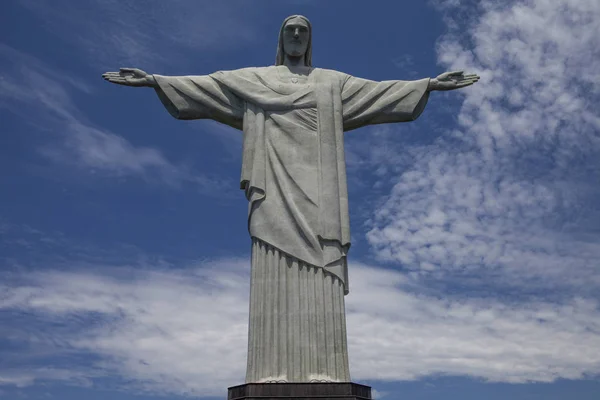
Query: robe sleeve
column 200, row 97
column 367, row 102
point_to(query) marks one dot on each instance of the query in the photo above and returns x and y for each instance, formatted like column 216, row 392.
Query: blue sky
column 124, row 269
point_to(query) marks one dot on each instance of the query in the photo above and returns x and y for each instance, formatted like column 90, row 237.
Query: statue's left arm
column 367, row 102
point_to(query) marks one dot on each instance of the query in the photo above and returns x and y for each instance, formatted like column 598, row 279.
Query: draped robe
column 294, row 177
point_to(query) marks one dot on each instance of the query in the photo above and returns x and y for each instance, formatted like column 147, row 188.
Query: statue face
column 295, row 37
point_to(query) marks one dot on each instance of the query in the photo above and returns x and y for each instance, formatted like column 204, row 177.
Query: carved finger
column 456, row 73
column 120, row 81
column 111, row 75
column 115, row 79
column 127, row 69
column 460, row 82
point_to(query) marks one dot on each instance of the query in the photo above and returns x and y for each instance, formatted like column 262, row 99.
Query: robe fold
column 294, row 177
column 293, row 166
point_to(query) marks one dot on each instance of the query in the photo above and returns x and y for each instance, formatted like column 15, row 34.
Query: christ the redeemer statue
column 293, row 118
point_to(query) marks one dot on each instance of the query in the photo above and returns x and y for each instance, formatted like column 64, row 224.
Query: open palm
column 129, row 77
column 453, row 80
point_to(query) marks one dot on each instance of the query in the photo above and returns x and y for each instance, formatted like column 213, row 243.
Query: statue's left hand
column 452, row 80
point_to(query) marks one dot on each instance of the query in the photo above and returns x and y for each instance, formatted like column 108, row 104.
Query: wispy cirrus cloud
column 43, row 97
column 149, row 35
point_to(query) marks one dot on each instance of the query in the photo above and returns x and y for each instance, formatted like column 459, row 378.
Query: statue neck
column 290, row 61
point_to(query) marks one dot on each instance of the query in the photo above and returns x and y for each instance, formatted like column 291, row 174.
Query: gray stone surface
column 297, row 327
column 293, row 117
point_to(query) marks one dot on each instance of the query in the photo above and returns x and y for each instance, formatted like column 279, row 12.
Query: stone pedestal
column 300, row 391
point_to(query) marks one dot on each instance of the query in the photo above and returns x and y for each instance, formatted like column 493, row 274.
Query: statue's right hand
column 130, row 77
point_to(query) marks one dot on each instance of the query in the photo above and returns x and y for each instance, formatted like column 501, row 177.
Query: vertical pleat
column 252, row 326
column 305, row 327
column 297, row 327
column 268, row 312
column 258, row 317
column 344, row 342
column 337, row 331
column 290, row 318
column 328, row 312
column 320, row 324
column 312, row 320
column 283, row 325
column 274, row 285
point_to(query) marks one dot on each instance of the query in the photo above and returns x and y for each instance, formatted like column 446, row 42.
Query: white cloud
column 399, row 333
column 184, row 330
column 508, row 198
column 376, row 394
column 171, row 331
column 23, row 379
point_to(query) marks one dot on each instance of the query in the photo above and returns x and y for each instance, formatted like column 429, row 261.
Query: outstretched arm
column 367, row 102
column 187, row 97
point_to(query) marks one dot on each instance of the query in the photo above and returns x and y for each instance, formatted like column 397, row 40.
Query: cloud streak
column 121, row 31
column 33, row 88
column 166, row 330
column 160, row 328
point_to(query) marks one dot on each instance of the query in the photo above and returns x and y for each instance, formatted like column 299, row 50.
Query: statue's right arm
column 187, row 97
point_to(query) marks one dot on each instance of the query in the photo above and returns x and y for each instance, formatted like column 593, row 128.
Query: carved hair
column 281, row 53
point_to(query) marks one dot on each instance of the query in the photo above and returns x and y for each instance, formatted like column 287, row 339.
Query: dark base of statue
column 300, row 391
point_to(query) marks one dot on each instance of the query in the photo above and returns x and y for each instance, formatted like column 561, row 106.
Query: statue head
column 295, row 40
